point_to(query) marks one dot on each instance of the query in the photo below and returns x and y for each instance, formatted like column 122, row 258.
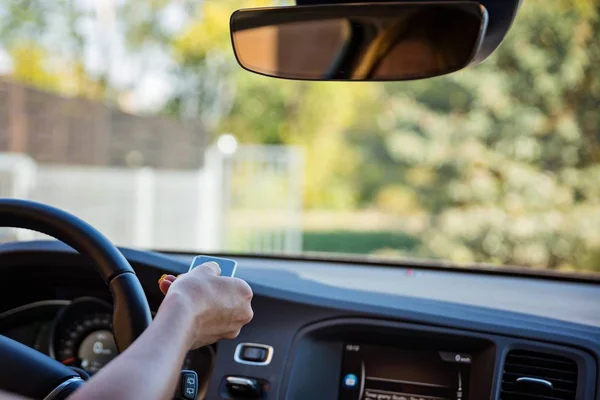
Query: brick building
column 62, row 130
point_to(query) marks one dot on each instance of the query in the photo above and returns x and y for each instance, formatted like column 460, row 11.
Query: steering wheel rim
column 131, row 312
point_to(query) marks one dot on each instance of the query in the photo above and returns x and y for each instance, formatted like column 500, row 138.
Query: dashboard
column 336, row 330
column 78, row 333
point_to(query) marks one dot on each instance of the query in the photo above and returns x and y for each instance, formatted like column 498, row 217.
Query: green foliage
column 28, row 67
column 504, row 156
column 358, row 242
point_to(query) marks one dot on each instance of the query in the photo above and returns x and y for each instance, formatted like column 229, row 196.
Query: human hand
column 217, row 307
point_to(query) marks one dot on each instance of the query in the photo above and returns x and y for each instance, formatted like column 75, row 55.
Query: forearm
column 149, row 368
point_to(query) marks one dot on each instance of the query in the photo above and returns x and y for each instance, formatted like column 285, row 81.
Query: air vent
column 530, row 375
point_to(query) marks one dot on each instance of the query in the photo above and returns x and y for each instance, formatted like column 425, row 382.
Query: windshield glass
column 134, row 115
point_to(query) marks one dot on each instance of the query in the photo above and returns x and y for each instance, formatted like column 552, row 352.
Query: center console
column 357, row 359
column 370, row 359
column 397, row 373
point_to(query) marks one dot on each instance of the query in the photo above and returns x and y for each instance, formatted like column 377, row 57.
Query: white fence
column 260, row 198
column 247, row 201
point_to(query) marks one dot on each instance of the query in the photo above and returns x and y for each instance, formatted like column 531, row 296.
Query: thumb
column 211, row 267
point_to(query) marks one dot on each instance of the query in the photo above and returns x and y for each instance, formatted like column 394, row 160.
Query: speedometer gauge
column 81, row 336
column 87, row 342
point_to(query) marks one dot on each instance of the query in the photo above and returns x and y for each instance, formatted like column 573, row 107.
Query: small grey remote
column 227, row 265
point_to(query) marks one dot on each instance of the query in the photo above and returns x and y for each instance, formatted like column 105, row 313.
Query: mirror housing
column 359, row 42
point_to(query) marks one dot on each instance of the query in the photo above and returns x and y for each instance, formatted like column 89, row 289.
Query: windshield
column 134, row 115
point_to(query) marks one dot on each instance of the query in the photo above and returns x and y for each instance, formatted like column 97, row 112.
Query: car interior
column 325, row 326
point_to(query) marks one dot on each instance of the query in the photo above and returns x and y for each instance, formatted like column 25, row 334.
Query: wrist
column 176, row 312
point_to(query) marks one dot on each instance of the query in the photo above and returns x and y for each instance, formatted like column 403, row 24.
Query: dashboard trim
column 238, row 351
column 33, row 305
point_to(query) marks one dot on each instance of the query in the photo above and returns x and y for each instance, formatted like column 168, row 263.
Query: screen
column 388, row 373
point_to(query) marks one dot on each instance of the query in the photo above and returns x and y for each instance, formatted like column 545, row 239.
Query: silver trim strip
column 60, row 387
column 544, row 382
column 234, row 380
column 238, row 352
column 36, row 304
column 362, row 379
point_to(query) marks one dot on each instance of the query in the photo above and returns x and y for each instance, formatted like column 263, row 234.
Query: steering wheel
column 26, row 371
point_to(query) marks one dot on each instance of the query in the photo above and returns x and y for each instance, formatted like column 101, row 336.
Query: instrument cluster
column 79, row 334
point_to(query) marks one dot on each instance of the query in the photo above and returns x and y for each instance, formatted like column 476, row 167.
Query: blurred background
column 134, row 115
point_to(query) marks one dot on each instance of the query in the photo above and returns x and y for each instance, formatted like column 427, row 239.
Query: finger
column 170, row 278
column 164, row 286
column 211, row 267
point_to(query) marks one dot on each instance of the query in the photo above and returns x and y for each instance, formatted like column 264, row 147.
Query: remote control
column 228, row 266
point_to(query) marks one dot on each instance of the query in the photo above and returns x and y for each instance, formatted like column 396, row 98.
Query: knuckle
column 244, row 315
column 244, row 289
column 213, row 284
column 248, row 315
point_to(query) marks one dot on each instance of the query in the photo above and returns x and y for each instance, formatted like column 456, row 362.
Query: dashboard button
column 253, row 354
column 188, row 387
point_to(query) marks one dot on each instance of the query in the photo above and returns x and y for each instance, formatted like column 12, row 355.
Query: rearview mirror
column 359, row 42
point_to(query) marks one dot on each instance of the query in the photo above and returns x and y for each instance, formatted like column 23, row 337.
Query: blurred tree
column 505, row 157
column 28, row 67
column 28, row 32
column 84, row 41
column 205, row 65
column 269, row 111
column 315, row 117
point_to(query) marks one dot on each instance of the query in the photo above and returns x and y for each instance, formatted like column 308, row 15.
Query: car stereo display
column 388, row 373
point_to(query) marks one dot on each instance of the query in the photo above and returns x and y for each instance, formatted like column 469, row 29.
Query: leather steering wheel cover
column 131, row 310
